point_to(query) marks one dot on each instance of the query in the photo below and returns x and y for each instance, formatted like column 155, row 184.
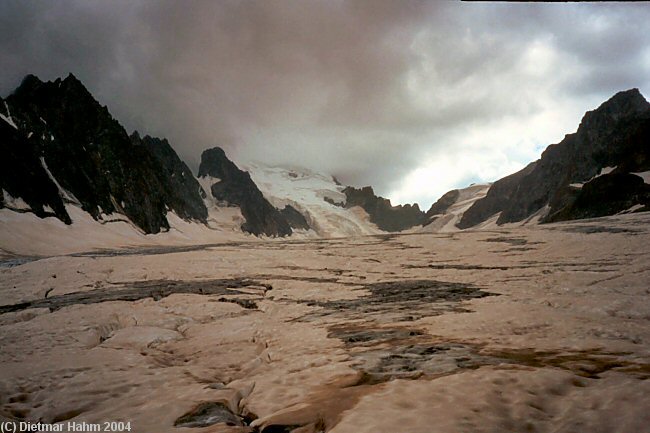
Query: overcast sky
column 414, row 98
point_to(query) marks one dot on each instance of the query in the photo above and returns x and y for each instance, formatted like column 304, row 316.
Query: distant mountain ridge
column 588, row 174
column 386, row 216
column 61, row 148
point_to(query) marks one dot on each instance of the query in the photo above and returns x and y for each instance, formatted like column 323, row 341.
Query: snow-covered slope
column 446, row 222
column 315, row 196
column 23, row 233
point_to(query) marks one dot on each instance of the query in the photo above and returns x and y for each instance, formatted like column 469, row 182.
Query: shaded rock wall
column 237, row 188
column 382, row 213
column 616, row 134
column 91, row 157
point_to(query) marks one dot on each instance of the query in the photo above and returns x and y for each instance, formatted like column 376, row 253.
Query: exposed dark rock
column 207, row 414
column 295, row 219
column 238, row 189
column 606, row 195
column 133, row 291
column 23, row 175
column 279, row 428
column 405, row 298
column 498, row 198
column 441, row 206
column 181, row 188
column 333, row 202
column 244, row 303
column 382, row 213
column 91, row 156
column 361, row 336
column 616, row 134
column 443, row 203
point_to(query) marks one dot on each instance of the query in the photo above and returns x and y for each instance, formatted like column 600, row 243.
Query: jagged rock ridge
column 445, row 213
column 180, row 186
column 382, row 213
column 615, row 135
column 442, row 204
column 59, row 144
column 235, row 187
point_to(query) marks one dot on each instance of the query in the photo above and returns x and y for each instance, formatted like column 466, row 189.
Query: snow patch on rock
column 8, row 118
column 645, row 175
column 66, row 195
column 14, row 203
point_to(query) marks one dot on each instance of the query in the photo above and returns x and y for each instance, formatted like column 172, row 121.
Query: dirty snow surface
column 540, row 328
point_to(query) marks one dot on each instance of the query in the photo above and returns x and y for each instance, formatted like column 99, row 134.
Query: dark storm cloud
column 366, row 90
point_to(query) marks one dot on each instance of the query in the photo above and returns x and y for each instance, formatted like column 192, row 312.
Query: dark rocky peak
column 616, row 134
column 499, row 197
column 135, row 138
column 443, row 203
column 65, row 134
column 238, row 189
column 382, row 213
column 39, row 92
column 626, row 104
column 66, row 108
column 29, row 84
column 623, row 107
column 184, row 194
column 215, row 163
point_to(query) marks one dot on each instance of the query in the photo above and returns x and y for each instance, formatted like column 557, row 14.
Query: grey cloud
column 360, row 89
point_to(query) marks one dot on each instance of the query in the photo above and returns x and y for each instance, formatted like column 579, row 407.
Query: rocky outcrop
column 616, row 134
column 23, row 175
column 387, row 217
column 606, row 195
column 498, row 198
column 235, row 187
column 63, row 133
column 295, row 219
column 444, row 215
column 182, row 190
column 443, row 203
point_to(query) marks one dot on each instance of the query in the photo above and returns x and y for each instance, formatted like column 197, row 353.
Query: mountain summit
column 235, row 187
column 585, row 175
column 60, row 146
column 61, row 151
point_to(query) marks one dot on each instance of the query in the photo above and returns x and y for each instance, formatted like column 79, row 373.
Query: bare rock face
column 22, row 174
column 295, row 219
column 382, row 213
column 67, row 144
column 616, row 134
column 236, row 188
column 498, row 198
column 443, row 203
column 181, row 188
column 606, row 195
